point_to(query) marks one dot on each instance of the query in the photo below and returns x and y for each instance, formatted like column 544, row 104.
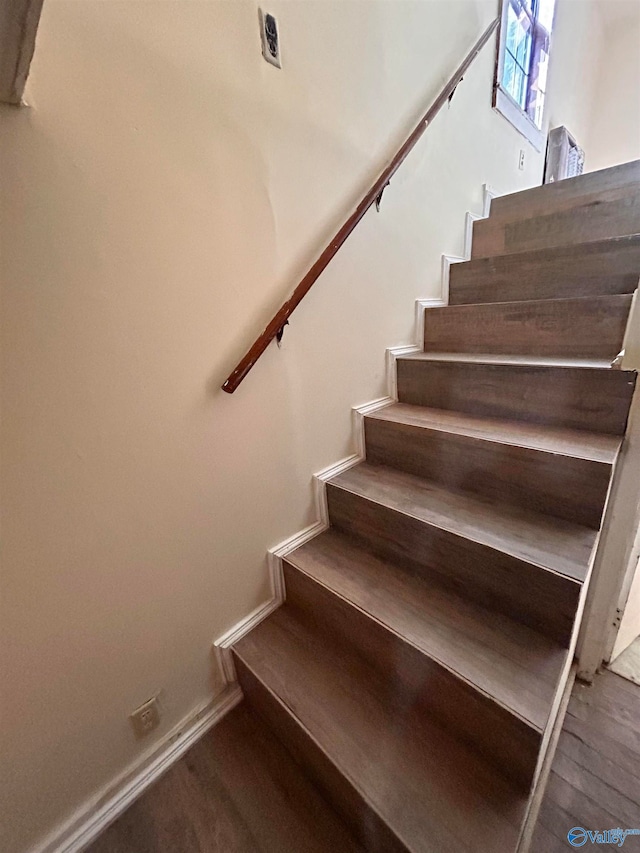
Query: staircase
column 415, row 670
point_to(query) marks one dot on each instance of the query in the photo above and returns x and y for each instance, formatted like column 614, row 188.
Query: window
column 523, row 62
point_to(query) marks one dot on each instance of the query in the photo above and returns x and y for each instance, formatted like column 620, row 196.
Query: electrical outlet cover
column 270, row 38
column 146, row 718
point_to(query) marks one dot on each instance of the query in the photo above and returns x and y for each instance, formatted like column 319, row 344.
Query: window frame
column 503, row 102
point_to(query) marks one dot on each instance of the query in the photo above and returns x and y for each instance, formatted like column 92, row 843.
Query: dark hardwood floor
column 236, row 791
column 595, row 777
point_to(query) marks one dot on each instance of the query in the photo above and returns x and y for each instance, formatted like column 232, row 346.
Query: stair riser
column 569, row 488
column 585, row 328
column 599, row 219
column 608, row 268
column 536, row 597
column 608, row 184
column 500, row 736
column 365, row 823
column 577, row 398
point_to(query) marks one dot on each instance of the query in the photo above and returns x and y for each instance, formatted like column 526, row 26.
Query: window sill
column 508, row 108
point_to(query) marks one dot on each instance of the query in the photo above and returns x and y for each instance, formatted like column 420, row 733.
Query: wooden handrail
column 275, row 327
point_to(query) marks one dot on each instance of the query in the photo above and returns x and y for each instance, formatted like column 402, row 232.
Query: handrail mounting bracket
column 379, row 196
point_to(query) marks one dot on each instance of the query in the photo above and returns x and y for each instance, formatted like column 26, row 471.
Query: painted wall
column 615, row 135
column 159, row 199
column 615, row 138
column 630, row 624
column 578, row 45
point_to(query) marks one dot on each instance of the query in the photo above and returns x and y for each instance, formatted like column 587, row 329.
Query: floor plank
column 595, row 777
column 236, row 791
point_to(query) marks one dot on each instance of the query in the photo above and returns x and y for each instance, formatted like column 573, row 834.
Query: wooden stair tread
column 515, row 666
column 550, row 543
column 511, row 359
column 434, row 793
column 568, row 442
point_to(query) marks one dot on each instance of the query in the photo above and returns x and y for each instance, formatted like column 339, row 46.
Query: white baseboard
column 447, row 260
column 98, row 812
column 319, row 487
column 222, row 646
column 487, row 195
column 393, row 354
column 358, row 414
column 469, row 219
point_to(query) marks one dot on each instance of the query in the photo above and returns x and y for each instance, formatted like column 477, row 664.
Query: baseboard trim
column 358, row 414
column 487, row 195
column 469, row 219
column 392, row 355
column 319, row 489
column 101, row 810
column 222, row 645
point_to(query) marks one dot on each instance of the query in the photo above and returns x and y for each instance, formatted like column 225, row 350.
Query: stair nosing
column 410, row 642
column 529, row 561
column 568, row 248
column 459, row 431
column 513, row 360
column 534, row 302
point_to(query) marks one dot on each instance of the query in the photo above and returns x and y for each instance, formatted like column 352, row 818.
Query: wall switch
column 270, row 38
column 146, row 718
column 521, row 160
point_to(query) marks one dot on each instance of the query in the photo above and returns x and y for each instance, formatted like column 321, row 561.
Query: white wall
column 159, row 199
column 615, row 138
column 576, row 54
column 615, row 134
column 630, row 623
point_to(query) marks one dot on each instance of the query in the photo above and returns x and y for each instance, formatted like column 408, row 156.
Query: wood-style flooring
column 595, row 777
column 236, row 791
